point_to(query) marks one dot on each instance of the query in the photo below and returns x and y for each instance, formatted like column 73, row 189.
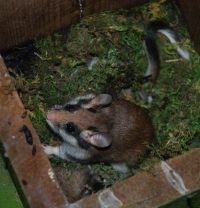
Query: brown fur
column 131, row 129
column 126, row 123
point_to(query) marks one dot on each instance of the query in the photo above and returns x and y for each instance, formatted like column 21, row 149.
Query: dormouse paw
column 49, row 150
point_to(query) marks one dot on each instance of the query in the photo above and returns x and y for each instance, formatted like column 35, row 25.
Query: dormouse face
column 79, row 122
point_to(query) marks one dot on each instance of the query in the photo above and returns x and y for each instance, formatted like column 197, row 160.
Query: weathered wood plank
column 24, row 151
column 151, row 188
column 191, row 13
column 24, row 20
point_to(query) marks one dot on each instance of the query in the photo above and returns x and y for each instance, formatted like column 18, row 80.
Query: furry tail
column 151, row 48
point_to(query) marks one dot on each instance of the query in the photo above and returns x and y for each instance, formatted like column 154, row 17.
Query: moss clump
column 104, row 53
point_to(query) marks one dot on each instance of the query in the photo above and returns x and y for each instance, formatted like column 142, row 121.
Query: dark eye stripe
column 70, row 128
column 74, row 131
column 84, row 101
column 71, row 108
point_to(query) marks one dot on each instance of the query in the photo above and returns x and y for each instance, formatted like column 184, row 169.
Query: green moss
column 115, row 39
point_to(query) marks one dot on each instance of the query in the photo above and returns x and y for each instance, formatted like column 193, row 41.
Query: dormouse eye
column 71, row 108
column 70, row 127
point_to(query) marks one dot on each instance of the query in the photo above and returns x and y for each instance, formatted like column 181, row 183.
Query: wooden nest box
column 24, row 20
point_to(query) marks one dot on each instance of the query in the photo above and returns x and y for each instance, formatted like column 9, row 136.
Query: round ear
column 99, row 100
column 96, row 139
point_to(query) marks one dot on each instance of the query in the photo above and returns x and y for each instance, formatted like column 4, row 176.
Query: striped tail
column 151, row 48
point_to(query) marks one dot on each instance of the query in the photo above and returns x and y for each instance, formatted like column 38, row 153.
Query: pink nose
column 51, row 116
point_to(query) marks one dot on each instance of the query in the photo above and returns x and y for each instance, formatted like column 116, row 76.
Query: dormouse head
column 82, row 121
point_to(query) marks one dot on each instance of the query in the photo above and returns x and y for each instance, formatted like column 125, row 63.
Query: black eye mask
column 71, row 129
column 71, row 108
